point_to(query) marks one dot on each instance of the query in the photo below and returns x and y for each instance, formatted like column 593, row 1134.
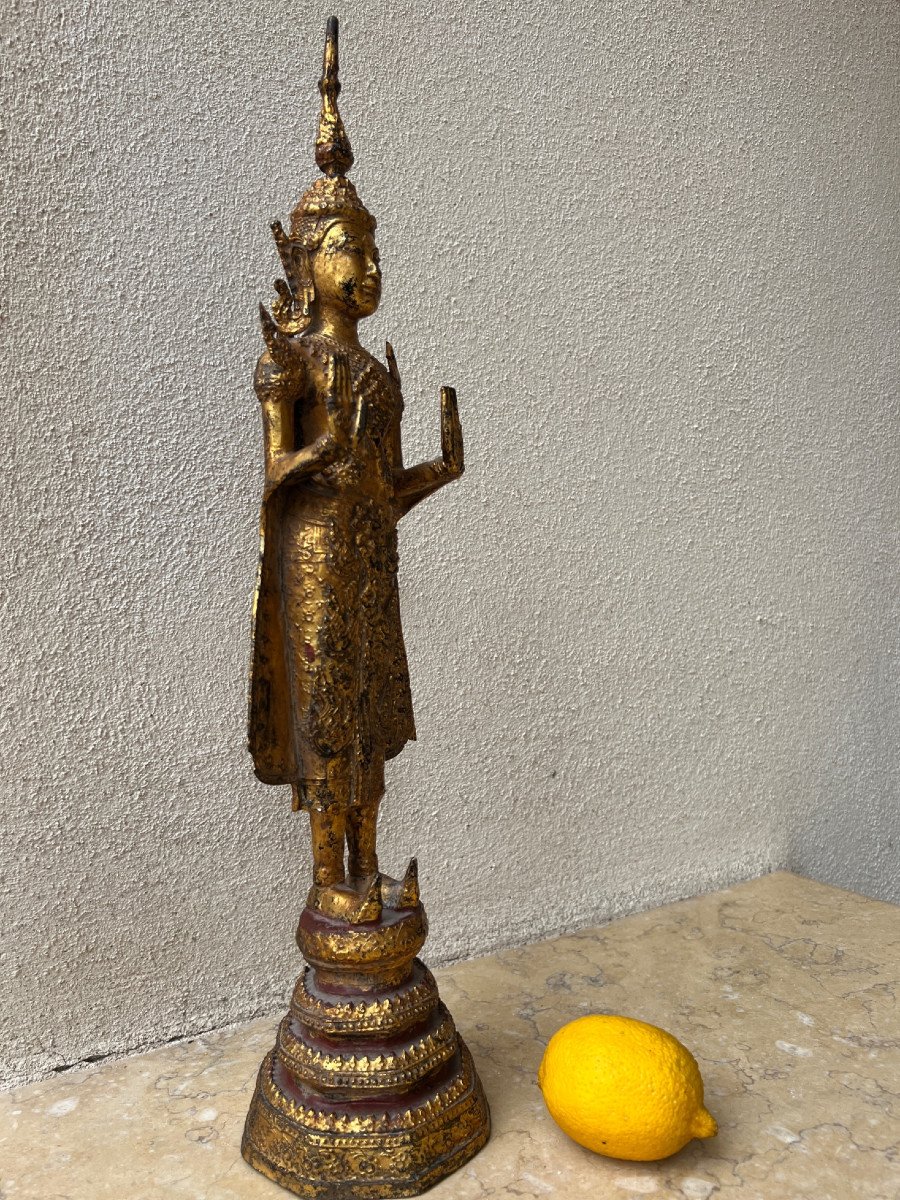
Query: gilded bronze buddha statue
column 369, row 1091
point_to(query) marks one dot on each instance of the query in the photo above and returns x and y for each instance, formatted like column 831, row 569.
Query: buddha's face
column 345, row 270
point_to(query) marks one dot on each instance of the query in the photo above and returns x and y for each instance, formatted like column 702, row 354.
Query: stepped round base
column 369, row 1092
column 373, row 1013
column 370, row 1149
column 362, row 956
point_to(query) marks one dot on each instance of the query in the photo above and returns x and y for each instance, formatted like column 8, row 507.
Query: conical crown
column 333, row 153
column 335, row 195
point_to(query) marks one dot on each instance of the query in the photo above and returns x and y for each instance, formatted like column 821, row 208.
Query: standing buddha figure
column 369, row 1091
column 330, row 696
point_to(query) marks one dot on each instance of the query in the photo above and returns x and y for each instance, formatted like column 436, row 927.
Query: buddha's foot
column 344, row 902
column 402, row 893
column 363, row 897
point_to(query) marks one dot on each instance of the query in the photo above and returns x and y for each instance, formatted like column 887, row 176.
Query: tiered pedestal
column 370, row 1092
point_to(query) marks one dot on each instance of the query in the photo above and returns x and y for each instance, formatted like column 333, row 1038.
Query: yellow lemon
column 624, row 1088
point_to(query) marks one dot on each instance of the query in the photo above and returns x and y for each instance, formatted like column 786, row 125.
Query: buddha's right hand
column 346, row 413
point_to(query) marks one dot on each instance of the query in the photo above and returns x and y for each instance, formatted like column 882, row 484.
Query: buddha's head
column 345, row 269
column 330, row 256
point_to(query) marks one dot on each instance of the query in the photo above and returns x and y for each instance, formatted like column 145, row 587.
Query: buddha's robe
column 329, row 684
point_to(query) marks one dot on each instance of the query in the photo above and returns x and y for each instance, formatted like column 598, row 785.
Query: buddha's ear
column 295, row 260
column 306, row 290
column 295, row 300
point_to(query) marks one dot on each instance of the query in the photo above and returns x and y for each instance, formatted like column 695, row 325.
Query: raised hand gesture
column 346, row 416
column 413, row 484
column 451, row 434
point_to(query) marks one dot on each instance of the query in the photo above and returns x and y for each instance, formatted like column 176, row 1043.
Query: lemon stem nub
column 704, row 1125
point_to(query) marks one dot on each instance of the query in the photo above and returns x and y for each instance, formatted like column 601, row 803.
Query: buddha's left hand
column 415, row 483
column 451, row 434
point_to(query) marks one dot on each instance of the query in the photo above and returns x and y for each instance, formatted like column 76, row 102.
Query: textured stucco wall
column 652, row 633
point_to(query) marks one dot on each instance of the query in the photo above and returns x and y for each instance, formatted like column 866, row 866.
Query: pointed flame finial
column 334, row 195
column 333, row 153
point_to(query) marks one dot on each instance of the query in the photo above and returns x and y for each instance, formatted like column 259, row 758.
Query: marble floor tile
column 784, row 989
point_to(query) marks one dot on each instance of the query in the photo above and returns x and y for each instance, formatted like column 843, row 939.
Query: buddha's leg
column 362, row 856
column 328, row 828
column 362, row 821
column 326, row 793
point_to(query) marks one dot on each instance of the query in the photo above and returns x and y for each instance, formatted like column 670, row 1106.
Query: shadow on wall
column 854, row 844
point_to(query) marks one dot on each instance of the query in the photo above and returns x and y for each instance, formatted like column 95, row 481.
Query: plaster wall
column 652, row 632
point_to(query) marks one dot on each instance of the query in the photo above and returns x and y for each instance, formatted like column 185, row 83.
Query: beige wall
column 652, row 633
